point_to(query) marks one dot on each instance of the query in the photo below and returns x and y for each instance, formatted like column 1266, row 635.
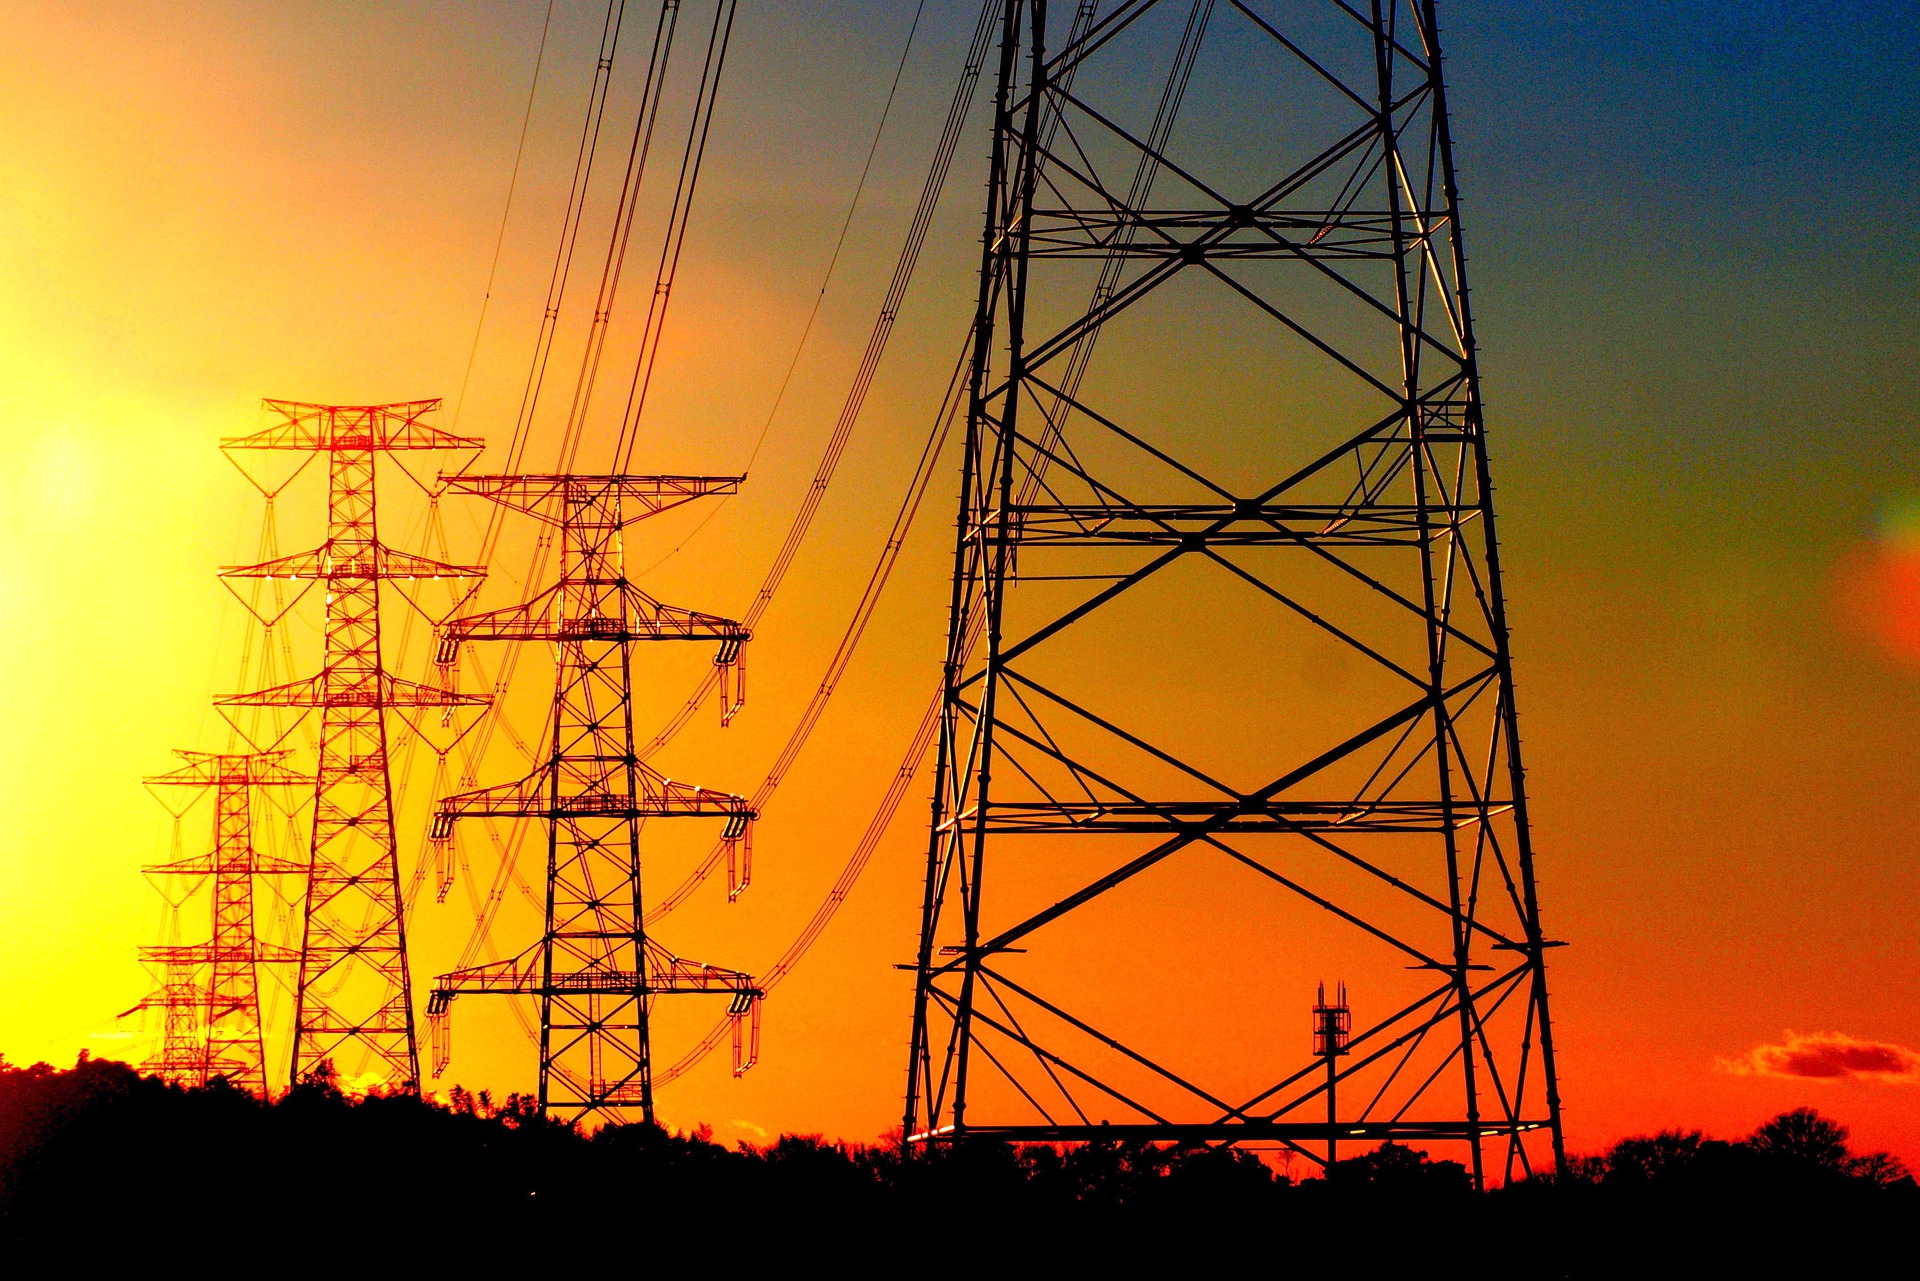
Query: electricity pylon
column 1258, row 655
column 594, row 969
column 353, row 1004
column 212, row 1028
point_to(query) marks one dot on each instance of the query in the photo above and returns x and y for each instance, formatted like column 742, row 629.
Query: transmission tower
column 353, row 1003
column 212, row 1028
column 594, row 969
column 1298, row 506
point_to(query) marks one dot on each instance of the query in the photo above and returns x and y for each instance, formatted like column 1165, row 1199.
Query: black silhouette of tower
column 594, row 970
column 1227, row 622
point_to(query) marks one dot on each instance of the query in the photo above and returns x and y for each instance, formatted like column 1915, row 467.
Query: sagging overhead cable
column 903, row 271
column 626, row 207
column 486, row 908
column 506, row 213
column 563, row 256
column 677, row 220
column 658, row 61
column 820, row 295
column 843, row 654
column 876, row 583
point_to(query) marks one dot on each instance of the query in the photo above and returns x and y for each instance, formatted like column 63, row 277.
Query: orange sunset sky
column 1694, row 237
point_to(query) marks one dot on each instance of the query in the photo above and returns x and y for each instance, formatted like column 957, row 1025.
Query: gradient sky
column 1693, row 233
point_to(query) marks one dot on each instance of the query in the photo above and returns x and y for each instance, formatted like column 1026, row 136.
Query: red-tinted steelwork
column 1282, row 213
column 353, row 1003
column 209, row 993
column 594, row 970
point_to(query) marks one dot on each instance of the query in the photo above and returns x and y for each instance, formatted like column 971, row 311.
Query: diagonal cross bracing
column 209, row 993
column 1085, row 775
column 353, row 1000
column 594, row 971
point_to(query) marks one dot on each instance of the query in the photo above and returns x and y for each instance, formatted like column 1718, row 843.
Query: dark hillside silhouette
column 472, row 1183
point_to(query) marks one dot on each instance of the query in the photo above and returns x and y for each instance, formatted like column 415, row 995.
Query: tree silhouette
column 1396, row 1167
column 96, row 1156
column 1648, row 1158
column 1803, row 1138
column 1881, row 1169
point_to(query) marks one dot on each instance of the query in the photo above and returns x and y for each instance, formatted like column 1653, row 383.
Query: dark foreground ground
column 101, row 1167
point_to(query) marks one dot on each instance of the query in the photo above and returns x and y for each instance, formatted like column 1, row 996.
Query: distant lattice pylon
column 210, row 992
column 594, row 969
column 353, row 1002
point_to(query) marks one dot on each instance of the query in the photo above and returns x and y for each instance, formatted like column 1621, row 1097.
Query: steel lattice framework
column 353, row 1001
column 211, row 1026
column 594, row 970
column 1313, row 204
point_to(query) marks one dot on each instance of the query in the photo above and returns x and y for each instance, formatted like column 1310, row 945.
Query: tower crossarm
column 241, row 769
column 670, row 974
column 658, row 797
column 395, row 426
column 548, row 497
column 318, row 691
column 636, row 616
column 210, row 864
column 330, row 562
column 665, row 975
column 208, row 953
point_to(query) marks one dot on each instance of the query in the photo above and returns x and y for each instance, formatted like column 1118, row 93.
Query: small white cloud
column 1829, row 1056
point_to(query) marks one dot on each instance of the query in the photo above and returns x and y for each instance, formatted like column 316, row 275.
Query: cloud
column 1829, row 1056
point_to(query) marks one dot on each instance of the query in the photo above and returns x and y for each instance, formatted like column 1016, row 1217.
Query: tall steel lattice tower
column 1251, row 706
column 211, row 1025
column 594, row 970
column 353, row 1002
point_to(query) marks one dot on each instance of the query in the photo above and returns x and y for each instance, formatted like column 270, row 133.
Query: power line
column 499, row 241
column 678, row 218
column 876, row 347
column 813, row 314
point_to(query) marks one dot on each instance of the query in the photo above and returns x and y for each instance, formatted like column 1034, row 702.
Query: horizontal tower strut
column 1242, row 1132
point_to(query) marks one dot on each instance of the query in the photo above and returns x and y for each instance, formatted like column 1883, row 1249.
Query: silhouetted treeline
column 99, row 1164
